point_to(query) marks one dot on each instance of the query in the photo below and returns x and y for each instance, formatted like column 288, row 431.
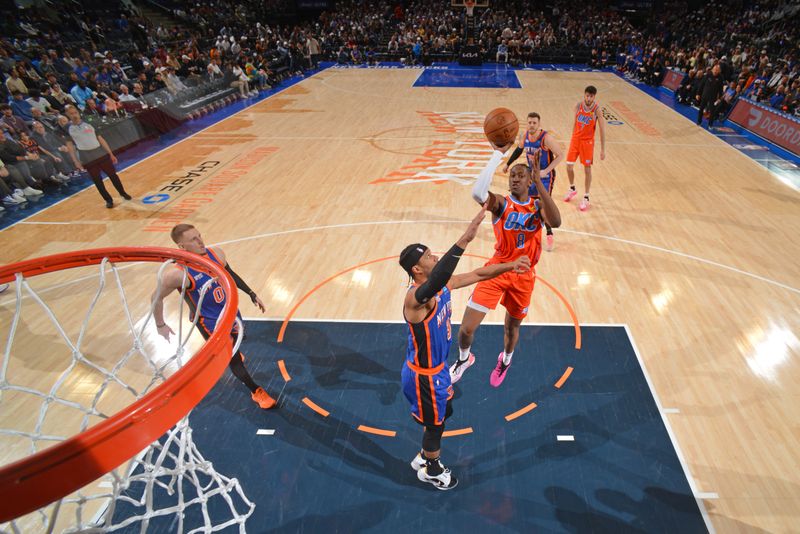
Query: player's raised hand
column 164, row 331
column 503, row 149
column 537, row 165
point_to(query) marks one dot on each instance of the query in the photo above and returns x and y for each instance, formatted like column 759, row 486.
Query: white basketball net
column 170, row 470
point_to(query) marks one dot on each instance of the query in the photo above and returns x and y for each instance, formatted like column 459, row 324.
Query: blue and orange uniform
column 519, row 232
column 213, row 302
column 425, row 376
column 582, row 143
column 534, row 142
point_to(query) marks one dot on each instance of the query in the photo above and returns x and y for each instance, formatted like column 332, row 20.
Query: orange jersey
column 585, row 122
column 518, row 231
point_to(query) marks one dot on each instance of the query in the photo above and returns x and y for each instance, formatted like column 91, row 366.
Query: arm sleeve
column 480, row 191
column 241, row 284
column 440, row 275
column 514, row 155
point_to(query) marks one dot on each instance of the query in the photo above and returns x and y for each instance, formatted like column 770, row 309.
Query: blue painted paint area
column 135, row 154
column 498, row 78
column 621, row 474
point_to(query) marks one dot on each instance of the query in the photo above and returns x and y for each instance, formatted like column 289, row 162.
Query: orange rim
column 36, row 481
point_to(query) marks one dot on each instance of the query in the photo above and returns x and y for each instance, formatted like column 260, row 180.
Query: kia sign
column 672, row 79
column 770, row 124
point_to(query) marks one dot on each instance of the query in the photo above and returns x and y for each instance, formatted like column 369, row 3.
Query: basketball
column 501, row 126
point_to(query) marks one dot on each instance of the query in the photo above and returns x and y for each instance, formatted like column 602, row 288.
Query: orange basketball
column 501, row 126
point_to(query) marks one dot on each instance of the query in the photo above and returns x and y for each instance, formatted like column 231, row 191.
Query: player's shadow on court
column 336, row 439
column 336, row 367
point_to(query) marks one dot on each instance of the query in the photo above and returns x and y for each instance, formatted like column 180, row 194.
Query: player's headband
column 411, row 255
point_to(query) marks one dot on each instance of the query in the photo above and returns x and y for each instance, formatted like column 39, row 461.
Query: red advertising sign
column 672, row 79
column 768, row 123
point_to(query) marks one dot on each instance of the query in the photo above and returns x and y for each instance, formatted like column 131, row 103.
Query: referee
column 94, row 155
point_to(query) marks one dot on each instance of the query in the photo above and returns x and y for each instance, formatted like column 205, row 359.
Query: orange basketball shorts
column 580, row 149
column 510, row 289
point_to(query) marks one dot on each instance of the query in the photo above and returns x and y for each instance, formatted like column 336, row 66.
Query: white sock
column 463, row 354
column 507, row 357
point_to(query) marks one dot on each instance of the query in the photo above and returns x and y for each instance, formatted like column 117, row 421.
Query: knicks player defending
column 426, row 309
column 517, row 219
column 536, row 140
column 188, row 238
column 582, row 143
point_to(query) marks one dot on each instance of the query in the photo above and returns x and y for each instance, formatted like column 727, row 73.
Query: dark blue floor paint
column 499, row 78
column 621, row 474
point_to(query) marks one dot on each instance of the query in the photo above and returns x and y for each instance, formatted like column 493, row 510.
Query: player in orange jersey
column 582, row 143
column 517, row 220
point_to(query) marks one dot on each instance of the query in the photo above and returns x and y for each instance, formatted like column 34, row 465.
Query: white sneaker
column 3, row 287
column 31, row 192
column 418, row 462
column 457, row 369
column 18, row 194
column 2, row 209
column 443, row 481
column 63, row 177
column 13, row 200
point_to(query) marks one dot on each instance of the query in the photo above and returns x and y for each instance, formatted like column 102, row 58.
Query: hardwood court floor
column 689, row 242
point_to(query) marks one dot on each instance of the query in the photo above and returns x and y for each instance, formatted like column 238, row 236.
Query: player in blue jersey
column 536, row 140
column 188, row 238
column 427, row 309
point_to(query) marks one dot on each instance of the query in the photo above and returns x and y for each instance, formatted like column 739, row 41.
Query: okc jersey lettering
column 585, row 122
column 523, row 222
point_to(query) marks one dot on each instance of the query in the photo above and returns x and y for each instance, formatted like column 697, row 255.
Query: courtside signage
column 672, row 79
column 767, row 123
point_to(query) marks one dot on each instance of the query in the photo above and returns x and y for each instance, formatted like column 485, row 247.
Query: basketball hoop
column 470, row 5
column 162, row 404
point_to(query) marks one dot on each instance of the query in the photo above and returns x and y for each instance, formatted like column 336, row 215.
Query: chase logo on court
column 610, row 117
column 155, row 199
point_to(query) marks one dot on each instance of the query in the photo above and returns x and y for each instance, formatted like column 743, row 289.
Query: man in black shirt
column 709, row 93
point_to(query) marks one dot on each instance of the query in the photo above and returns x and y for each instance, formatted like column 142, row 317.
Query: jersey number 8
column 520, row 240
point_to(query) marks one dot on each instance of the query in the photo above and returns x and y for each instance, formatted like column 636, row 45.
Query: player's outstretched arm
column 240, row 283
column 443, row 271
column 552, row 144
column 171, row 281
column 517, row 151
column 520, row 265
column 480, row 191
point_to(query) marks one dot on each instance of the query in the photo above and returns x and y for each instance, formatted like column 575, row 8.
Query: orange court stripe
column 330, row 278
column 308, row 402
column 523, row 411
column 564, row 377
column 378, row 431
column 284, row 372
column 457, row 432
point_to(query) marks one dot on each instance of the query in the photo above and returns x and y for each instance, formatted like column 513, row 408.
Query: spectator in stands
column 50, row 120
column 724, row 104
column 62, row 97
column 240, row 81
column 9, row 123
column 173, row 83
column 21, row 107
column 112, row 105
column 28, row 166
column 80, row 93
column 90, row 151
column 15, row 83
column 48, row 159
column 37, row 101
column 314, row 50
column 125, row 94
column 92, row 109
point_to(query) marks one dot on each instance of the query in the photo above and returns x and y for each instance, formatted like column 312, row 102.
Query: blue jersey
column 213, row 302
column 429, row 340
column 531, row 145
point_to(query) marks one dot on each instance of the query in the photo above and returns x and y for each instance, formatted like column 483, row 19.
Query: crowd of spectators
column 753, row 50
column 110, row 61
